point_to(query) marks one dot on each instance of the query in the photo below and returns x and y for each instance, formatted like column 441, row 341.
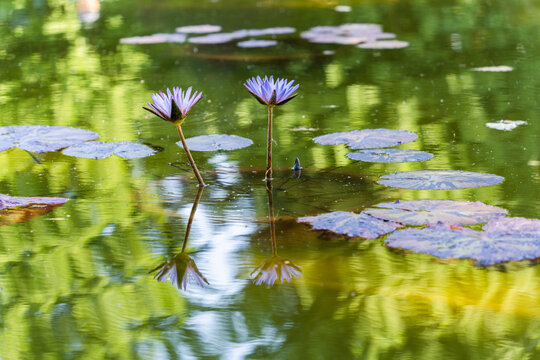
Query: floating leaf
column 367, row 138
column 42, row 138
column 350, row 224
column 102, row 150
column 505, row 125
column 501, row 68
column 216, row 142
column 424, row 212
column 154, row 39
column 221, row 38
column 383, row 45
column 342, row 8
column 390, row 155
column 252, row 43
column 17, row 209
column 198, row 29
column 439, row 179
column 347, row 34
column 503, row 239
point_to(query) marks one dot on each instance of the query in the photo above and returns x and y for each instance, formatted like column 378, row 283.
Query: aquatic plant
column 174, row 107
column 271, row 93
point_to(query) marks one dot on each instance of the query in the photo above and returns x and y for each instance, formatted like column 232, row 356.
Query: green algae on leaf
column 216, row 142
column 102, row 150
column 43, row 138
column 501, row 240
column 367, row 138
column 425, row 212
column 351, row 224
column 390, row 155
column 439, row 179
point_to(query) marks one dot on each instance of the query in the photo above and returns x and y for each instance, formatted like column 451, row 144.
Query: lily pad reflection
column 102, row 150
column 500, row 240
column 216, row 142
column 390, row 155
column 424, row 212
column 439, row 179
column 351, row 224
column 367, row 138
column 505, row 125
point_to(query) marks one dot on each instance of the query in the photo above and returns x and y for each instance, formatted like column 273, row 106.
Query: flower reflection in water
column 275, row 268
column 181, row 268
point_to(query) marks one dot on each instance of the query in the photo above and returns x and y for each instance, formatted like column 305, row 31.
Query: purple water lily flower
column 269, row 92
column 182, row 270
column 173, row 106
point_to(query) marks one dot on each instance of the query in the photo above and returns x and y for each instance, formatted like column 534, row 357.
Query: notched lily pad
column 425, row 212
column 102, row 150
column 252, row 43
column 384, row 45
column 501, row 68
column 367, row 138
column 42, row 138
column 351, row 224
column 216, row 142
column 390, row 155
column 15, row 209
column 505, row 125
column 198, row 29
column 439, row 179
column 222, row 38
column 501, row 240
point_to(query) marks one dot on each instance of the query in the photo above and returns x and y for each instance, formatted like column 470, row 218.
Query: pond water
column 75, row 283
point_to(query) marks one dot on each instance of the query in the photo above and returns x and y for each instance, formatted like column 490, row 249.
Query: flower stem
column 192, row 216
column 190, row 158
column 268, row 174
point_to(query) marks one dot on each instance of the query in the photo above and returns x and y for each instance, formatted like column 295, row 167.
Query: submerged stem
column 268, row 174
column 271, row 216
column 192, row 216
column 190, row 158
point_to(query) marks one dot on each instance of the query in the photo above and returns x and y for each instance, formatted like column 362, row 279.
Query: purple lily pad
column 7, row 201
column 501, row 68
column 501, row 240
column 384, row 45
column 505, row 125
column 367, row 138
column 42, row 138
column 198, row 29
column 17, row 209
column 252, row 43
column 390, row 155
column 439, row 179
column 222, row 38
column 216, row 142
column 154, row 39
column 102, row 150
column 350, row 224
column 425, row 212
column 347, row 34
